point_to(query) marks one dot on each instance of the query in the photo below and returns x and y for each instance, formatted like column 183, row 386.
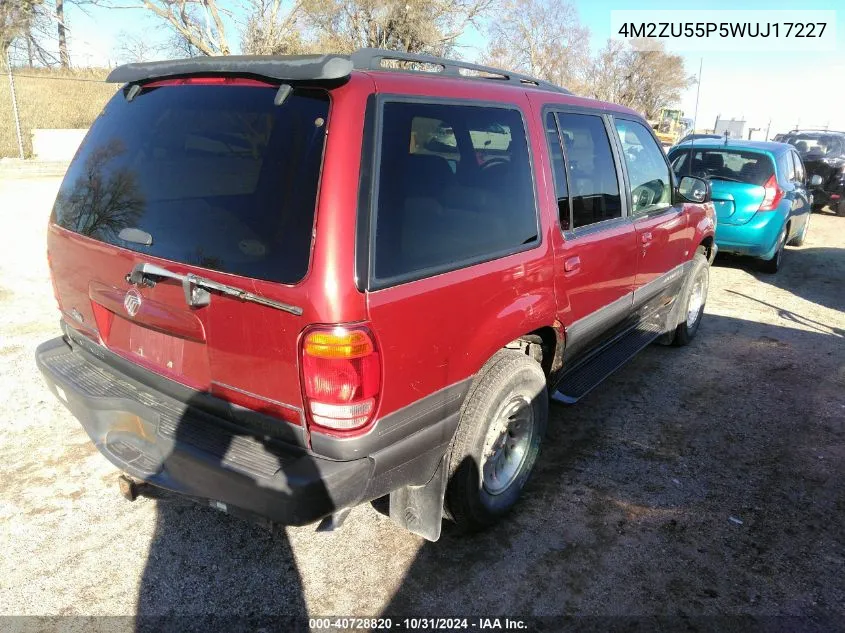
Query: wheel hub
column 698, row 294
column 506, row 445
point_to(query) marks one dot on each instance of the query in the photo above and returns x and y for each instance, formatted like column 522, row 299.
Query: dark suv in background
column 823, row 153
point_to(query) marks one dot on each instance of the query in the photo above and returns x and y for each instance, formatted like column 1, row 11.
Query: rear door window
column 216, row 176
column 454, row 188
column 799, row 168
column 723, row 164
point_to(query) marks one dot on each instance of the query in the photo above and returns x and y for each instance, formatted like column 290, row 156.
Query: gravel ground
column 697, row 481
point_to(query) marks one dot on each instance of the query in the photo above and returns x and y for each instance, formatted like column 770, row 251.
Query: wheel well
column 543, row 345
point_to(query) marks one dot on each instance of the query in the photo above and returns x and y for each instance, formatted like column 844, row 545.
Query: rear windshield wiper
column 197, row 288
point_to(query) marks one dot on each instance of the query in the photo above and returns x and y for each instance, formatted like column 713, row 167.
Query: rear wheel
column 773, row 265
column 840, row 208
column 802, row 236
column 498, row 439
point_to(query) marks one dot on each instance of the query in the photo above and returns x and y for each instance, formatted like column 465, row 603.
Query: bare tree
column 646, row 80
column 198, row 23
column 541, row 38
column 132, row 47
column 426, row 26
column 274, row 27
column 16, row 17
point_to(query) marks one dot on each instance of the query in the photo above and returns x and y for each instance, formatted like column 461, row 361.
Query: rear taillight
column 773, row 195
column 341, row 375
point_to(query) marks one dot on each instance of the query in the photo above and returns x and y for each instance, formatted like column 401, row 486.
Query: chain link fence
column 48, row 99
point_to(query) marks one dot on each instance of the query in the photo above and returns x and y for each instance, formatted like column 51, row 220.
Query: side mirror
column 697, row 190
column 816, row 181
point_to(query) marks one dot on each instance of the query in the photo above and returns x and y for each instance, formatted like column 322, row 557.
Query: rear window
column 217, row 176
column 731, row 165
column 455, row 188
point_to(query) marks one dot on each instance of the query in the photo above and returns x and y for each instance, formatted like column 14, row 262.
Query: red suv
column 290, row 285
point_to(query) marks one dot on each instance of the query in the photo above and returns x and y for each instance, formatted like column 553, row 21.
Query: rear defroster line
column 197, row 288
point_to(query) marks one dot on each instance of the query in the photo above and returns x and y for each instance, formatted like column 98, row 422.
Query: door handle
column 647, row 237
column 572, row 264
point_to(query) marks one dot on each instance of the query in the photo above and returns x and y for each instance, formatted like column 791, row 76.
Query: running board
column 590, row 373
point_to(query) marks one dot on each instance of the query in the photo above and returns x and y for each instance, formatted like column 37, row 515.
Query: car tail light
column 773, row 195
column 341, row 375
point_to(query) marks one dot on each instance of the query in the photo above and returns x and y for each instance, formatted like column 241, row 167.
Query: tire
column 771, row 266
column 508, row 400
column 840, row 208
column 698, row 279
column 799, row 239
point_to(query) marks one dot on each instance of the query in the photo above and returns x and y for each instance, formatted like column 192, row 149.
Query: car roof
column 773, row 147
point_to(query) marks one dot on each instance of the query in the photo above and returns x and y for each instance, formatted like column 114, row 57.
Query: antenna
column 695, row 116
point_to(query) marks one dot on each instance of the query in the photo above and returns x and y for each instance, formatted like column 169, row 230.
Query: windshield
column 820, row 145
column 724, row 164
column 215, row 176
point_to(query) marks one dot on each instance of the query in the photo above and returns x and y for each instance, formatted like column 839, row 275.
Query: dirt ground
column 698, row 481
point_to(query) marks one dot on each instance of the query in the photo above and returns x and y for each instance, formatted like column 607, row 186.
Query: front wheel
column 693, row 298
column 498, row 439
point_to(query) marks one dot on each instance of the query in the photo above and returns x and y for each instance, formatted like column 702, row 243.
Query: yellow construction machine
column 668, row 126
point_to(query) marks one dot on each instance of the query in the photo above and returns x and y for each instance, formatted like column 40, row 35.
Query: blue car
column 760, row 192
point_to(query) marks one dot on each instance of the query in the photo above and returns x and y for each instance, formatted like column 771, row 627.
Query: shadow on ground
column 816, row 274
column 220, row 572
column 696, row 481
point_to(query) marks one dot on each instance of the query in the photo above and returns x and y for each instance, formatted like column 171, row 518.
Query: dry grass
column 50, row 99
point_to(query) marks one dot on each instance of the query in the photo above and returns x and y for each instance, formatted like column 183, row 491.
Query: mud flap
column 676, row 310
column 419, row 509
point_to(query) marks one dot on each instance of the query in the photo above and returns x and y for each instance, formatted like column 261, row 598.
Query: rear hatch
column 205, row 177
column 736, row 176
column 736, row 203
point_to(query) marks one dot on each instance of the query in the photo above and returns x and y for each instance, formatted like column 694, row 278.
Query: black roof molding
column 281, row 68
column 372, row 58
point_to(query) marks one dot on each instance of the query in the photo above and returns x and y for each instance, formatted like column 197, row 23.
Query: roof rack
column 814, row 129
column 372, row 58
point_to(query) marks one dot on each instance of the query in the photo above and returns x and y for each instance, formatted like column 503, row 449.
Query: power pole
column 768, row 127
column 15, row 112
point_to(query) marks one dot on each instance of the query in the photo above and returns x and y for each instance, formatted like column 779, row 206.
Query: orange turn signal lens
column 338, row 343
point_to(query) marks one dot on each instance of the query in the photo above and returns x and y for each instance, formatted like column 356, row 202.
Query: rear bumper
column 176, row 445
column 757, row 238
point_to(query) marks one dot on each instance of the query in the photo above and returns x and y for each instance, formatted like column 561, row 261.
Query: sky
column 787, row 89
